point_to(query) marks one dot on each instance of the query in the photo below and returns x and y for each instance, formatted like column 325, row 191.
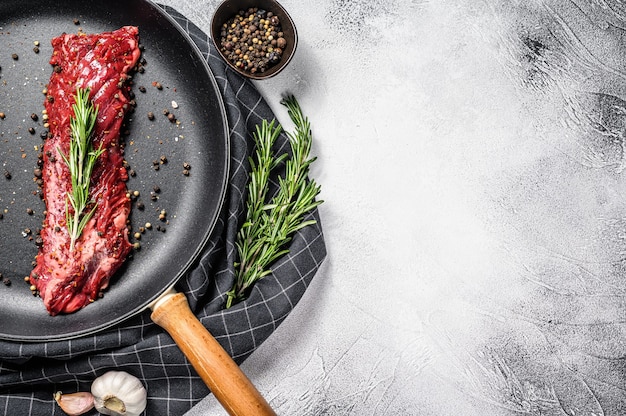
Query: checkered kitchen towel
column 31, row 373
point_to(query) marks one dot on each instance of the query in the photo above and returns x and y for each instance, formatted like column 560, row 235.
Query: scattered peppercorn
column 14, row 56
column 6, row 281
column 7, row 174
column 150, row 115
column 142, row 88
column 76, row 21
column 253, row 40
column 29, row 211
column 31, row 130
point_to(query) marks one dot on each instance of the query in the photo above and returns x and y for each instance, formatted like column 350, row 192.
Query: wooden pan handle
column 217, row 369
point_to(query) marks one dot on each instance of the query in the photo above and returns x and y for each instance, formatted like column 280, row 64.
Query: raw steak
column 69, row 280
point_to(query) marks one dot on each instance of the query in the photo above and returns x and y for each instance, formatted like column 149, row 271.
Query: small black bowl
column 229, row 8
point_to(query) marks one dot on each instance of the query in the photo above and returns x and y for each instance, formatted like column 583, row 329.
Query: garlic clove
column 75, row 404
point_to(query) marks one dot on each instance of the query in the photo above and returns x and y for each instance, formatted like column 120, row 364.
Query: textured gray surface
column 471, row 158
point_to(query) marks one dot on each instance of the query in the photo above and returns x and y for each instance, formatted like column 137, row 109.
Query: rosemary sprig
column 269, row 225
column 80, row 161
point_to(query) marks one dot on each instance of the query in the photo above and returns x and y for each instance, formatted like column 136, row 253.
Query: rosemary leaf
column 270, row 224
column 80, row 161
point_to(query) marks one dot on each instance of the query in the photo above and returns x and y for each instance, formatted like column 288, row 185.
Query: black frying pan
column 192, row 202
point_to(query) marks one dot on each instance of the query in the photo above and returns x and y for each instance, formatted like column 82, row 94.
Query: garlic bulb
column 117, row 393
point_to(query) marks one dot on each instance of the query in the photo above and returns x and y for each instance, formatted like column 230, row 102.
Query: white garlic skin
column 125, row 387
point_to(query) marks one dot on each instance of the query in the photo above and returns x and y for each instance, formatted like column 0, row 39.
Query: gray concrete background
column 470, row 157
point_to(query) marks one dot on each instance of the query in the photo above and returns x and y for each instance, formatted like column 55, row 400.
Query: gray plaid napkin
column 31, row 373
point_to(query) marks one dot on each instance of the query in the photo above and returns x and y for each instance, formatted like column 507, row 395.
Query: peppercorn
column 14, row 56
column 150, row 115
column 2, row 116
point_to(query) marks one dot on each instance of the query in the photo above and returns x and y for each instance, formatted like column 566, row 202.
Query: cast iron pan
column 192, row 202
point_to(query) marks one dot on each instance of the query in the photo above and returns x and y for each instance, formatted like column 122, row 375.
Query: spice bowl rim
column 228, row 8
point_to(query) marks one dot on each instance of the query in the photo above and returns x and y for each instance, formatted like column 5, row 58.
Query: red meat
column 69, row 280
